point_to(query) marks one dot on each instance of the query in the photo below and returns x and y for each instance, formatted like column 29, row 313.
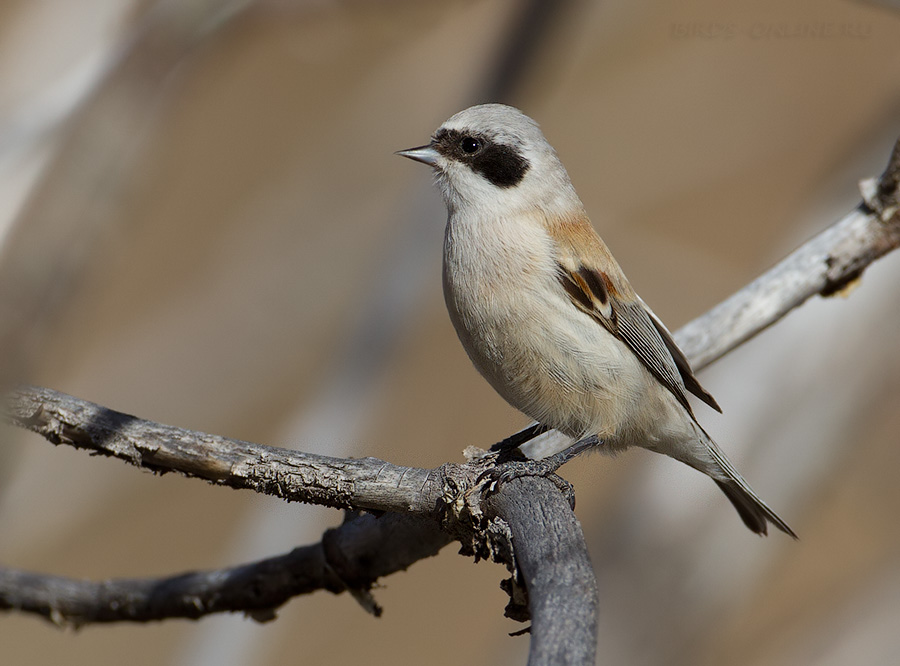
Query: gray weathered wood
column 527, row 523
column 364, row 483
column 554, row 563
column 349, row 558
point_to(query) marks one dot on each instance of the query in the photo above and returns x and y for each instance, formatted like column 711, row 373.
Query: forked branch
column 425, row 509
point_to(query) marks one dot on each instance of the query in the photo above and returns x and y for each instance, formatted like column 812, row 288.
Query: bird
column 546, row 314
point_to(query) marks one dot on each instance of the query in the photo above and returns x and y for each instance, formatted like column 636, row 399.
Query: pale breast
column 538, row 351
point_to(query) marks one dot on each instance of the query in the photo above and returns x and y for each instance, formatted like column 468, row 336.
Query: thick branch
column 366, row 483
column 385, row 545
column 434, row 506
column 553, row 560
column 254, row 588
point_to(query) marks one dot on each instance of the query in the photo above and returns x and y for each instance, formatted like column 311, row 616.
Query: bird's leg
column 508, row 470
column 507, row 449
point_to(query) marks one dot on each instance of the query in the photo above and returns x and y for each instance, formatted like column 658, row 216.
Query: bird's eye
column 469, row 145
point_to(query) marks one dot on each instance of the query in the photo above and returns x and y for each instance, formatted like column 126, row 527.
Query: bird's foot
column 502, row 473
column 507, row 470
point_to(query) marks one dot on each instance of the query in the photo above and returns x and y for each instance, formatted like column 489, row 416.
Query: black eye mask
column 502, row 165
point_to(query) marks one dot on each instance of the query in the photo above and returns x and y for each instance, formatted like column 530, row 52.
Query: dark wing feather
column 633, row 323
column 636, row 329
column 684, row 367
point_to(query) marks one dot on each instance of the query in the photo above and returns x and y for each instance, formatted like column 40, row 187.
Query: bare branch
column 255, row 588
column 563, row 598
column 433, row 507
column 350, row 557
column 366, row 483
column 825, row 265
column 551, row 555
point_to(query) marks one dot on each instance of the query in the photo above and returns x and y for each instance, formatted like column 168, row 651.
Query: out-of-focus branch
column 75, row 202
column 825, row 265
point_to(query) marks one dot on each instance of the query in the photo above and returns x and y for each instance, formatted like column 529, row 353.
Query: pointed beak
column 424, row 154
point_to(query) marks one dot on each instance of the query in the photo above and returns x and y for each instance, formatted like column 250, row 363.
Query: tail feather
column 753, row 511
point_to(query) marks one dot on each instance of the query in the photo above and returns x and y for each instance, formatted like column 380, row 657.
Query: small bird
column 546, row 314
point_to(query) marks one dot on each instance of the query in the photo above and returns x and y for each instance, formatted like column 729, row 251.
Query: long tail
column 753, row 511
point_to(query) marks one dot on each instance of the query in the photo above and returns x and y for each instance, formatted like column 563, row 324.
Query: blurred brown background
column 232, row 247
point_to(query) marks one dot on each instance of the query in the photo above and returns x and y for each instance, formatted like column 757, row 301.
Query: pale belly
column 540, row 352
column 556, row 364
